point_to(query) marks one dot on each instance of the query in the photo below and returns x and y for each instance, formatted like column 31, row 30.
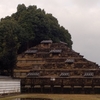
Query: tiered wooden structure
column 55, row 68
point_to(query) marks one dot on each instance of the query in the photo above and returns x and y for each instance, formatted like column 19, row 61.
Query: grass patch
column 55, row 96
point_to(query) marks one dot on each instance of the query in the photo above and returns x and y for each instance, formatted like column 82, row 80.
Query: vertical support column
column 62, row 88
column 83, row 90
column 31, row 85
column 32, row 88
column 25, row 82
column 52, row 86
column 72, row 89
column 92, row 90
column 42, row 88
column 21, row 84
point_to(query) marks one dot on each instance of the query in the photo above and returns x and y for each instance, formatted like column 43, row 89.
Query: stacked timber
column 56, row 65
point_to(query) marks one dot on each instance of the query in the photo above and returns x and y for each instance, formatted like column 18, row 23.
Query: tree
column 39, row 26
column 9, row 45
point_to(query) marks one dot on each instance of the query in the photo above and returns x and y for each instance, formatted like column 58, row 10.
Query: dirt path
column 54, row 96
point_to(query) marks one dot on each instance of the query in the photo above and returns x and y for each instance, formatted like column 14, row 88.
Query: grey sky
column 80, row 17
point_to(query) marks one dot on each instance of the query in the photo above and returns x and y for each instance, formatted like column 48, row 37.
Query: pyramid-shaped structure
column 54, row 67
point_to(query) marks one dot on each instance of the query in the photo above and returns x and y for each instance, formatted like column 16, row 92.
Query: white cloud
column 86, row 3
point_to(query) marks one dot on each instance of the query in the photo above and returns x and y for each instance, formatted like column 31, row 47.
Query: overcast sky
column 80, row 17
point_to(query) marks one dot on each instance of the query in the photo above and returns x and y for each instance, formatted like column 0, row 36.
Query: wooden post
column 72, row 89
column 92, row 90
column 82, row 89
column 42, row 88
column 52, row 88
column 62, row 88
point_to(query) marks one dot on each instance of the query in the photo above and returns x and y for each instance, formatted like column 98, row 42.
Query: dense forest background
column 24, row 29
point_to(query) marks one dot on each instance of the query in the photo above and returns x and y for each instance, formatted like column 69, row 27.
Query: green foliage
column 26, row 28
column 8, row 45
column 39, row 26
